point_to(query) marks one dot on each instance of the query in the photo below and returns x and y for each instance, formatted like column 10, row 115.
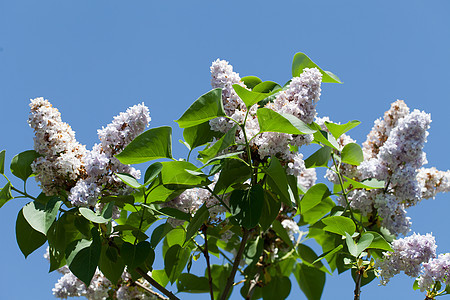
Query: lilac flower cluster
column 61, row 163
column 407, row 256
column 437, row 269
column 100, row 163
column 433, row 181
column 299, row 99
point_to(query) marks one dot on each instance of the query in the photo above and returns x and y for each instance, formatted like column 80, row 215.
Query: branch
column 237, row 260
column 156, row 284
column 151, row 292
column 358, row 283
column 208, row 264
column 253, row 284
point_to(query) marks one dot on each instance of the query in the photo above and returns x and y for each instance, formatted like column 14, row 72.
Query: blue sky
column 93, row 59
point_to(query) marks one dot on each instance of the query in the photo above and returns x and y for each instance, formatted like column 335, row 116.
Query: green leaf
column 152, row 171
column 200, row 217
column 199, row 135
column 327, row 255
column 135, row 255
column 317, row 212
column 378, row 241
column 93, row 217
column 205, row 108
column 270, row 211
column 366, row 184
column 174, row 173
column 152, row 144
column 352, row 154
column 82, row 257
column 219, row 275
column 279, row 179
column 339, row 225
column 364, row 280
column 310, row 280
column 282, row 233
column 278, row 288
column 301, row 61
column 129, row 180
column 21, row 164
column 175, row 260
column 160, row 277
column 28, row 239
column 251, row 81
column 159, row 233
column 246, row 206
column 41, row 216
column 326, row 139
column 233, row 171
column 189, row 283
column 314, row 196
column 319, row 158
column 337, row 129
column 310, row 258
column 175, row 213
column 267, row 87
column 2, row 162
column 271, row 121
column 416, row 285
column 112, row 269
column 5, row 194
column 223, row 143
column 249, row 97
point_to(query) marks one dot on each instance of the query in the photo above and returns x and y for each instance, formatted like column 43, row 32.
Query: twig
column 360, row 272
column 208, row 264
column 152, row 292
column 156, row 284
column 237, row 260
column 252, row 287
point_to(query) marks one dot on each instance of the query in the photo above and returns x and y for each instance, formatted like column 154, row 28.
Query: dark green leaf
column 233, row 171
column 301, row 61
column 41, row 216
column 315, row 195
column 111, row 268
column 28, row 239
column 189, row 283
column 278, row 288
column 5, row 194
column 198, row 135
column 370, row 276
column 200, row 217
column 310, row 280
column 279, row 181
column 270, row 211
column 175, row 213
column 319, row 158
column 246, row 206
column 175, row 260
column 352, row 154
column 82, row 257
column 21, row 164
column 159, row 233
column 220, row 274
column 282, row 233
column 271, row 121
column 251, row 81
column 223, row 143
column 152, row 171
column 205, row 108
column 135, row 255
column 2, row 162
column 152, row 144
column 249, row 97
column 337, row 130
column 339, row 225
column 327, row 255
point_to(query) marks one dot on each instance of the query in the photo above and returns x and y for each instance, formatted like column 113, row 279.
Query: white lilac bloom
column 437, row 269
column 292, row 229
column 61, row 163
column 433, row 181
column 392, row 213
column 307, row 178
column 100, row 163
column 382, row 128
column 407, row 256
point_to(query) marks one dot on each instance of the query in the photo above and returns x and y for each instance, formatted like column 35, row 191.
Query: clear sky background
column 93, row 59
